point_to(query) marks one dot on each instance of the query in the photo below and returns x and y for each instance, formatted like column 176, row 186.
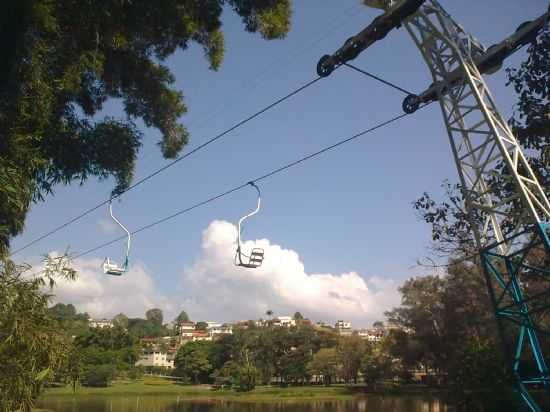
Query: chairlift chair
column 110, row 267
column 256, row 256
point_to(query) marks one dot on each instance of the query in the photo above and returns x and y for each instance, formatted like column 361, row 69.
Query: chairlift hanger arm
column 242, row 219
column 487, row 63
column 123, row 228
column 375, row 31
column 256, row 256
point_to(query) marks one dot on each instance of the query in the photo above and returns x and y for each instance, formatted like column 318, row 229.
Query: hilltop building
column 374, row 335
column 284, row 321
column 100, row 323
column 343, row 328
column 158, row 359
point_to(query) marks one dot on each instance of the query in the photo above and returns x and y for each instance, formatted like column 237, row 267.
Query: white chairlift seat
column 110, row 267
column 254, row 260
column 256, row 257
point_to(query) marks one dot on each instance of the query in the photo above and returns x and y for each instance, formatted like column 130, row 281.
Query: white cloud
column 216, row 289
column 213, row 288
column 102, row 295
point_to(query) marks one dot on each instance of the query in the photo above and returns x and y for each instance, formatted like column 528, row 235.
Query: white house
column 342, row 324
column 200, row 335
column 100, row 323
column 372, row 335
column 286, row 321
column 156, row 359
column 217, row 329
column 185, row 329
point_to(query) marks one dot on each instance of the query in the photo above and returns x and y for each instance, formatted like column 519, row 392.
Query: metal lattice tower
column 508, row 209
column 481, row 141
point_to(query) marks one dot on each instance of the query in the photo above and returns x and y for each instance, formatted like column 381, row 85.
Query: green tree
column 350, row 351
column 31, row 345
column 447, row 325
column 201, row 325
column 531, row 119
column 98, row 375
column 375, row 366
column 182, row 317
column 154, row 315
column 121, row 320
column 72, row 57
column 143, row 328
column 298, row 316
column 422, row 312
column 70, row 321
column 325, row 363
column 62, row 312
column 192, row 361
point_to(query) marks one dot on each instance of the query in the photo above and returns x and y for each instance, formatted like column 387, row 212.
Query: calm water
column 172, row 404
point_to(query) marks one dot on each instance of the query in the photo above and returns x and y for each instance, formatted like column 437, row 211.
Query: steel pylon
column 509, row 225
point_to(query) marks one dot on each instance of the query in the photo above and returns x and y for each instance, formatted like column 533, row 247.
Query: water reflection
column 174, row 404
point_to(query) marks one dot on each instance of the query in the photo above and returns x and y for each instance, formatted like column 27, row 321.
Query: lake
column 95, row 403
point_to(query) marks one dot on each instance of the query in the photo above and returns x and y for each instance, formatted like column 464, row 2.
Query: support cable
column 247, row 182
column 372, row 76
column 172, row 163
column 202, row 146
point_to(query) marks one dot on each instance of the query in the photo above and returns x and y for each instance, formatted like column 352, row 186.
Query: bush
column 98, row 375
column 135, row 373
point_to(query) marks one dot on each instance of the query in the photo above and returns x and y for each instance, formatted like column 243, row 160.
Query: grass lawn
column 151, row 387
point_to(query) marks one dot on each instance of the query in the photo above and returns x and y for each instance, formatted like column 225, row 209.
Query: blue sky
column 346, row 211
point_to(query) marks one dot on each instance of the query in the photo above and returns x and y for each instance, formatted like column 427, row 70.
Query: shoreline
column 206, row 393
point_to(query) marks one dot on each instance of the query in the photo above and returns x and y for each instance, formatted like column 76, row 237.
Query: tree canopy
column 154, row 315
column 61, row 60
column 182, row 317
column 32, row 345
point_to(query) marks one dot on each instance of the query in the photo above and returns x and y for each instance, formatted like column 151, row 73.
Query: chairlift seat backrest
column 111, row 268
column 256, row 257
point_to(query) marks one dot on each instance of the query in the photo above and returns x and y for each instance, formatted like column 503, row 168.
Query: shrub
column 98, row 375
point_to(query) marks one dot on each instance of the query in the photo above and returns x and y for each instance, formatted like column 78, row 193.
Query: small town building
column 100, row 323
column 156, row 359
column 185, row 329
column 374, row 335
column 284, row 321
column 215, row 329
column 200, row 335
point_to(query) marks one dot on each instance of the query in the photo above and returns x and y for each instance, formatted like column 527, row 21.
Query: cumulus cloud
column 105, row 296
column 216, row 289
column 213, row 288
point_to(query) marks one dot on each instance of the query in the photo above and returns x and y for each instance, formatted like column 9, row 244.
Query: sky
column 339, row 231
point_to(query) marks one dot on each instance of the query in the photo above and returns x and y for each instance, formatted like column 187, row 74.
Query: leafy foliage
column 182, row 317
column 192, row 361
column 531, row 120
column 325, row 363
column 375, row 366
column 121, row 320
column 62, row 60
column 447, row 327
column 154, row 315
column 31, row 345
